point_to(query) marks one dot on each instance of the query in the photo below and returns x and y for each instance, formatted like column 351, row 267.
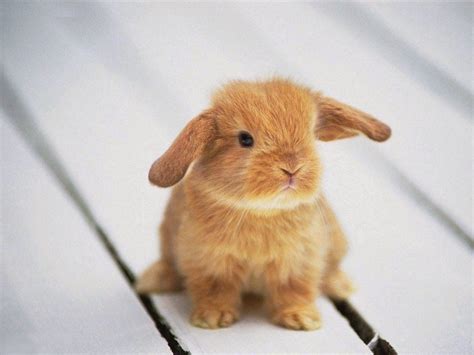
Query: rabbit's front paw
column 212, row 318
column 306, row 318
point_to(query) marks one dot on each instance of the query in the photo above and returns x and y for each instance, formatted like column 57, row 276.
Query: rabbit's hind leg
column 162, row 276
column 335, row 282
column 337, row 285
column 159, row 277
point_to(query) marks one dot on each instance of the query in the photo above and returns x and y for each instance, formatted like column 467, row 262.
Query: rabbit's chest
column 252, row 243
column 262, row 248
column 262, row 241
column 259, row 242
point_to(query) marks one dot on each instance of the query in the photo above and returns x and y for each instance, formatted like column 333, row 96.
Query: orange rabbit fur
column 250, row 217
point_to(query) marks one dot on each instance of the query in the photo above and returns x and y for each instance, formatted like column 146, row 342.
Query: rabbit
column 246, row 214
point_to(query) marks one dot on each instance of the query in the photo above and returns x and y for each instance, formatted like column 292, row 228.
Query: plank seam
column 23, row 121
column 376, row 344
column 422, row 199
column 373, row 343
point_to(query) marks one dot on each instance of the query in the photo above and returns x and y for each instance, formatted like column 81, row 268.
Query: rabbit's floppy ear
column 190, row 143
column 337, row 120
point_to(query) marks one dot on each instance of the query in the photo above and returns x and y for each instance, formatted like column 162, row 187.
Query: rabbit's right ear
column 189, row 145
column 337, row 120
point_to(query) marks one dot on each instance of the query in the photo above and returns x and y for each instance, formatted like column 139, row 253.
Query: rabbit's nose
column 290, row 173
column 290, row 163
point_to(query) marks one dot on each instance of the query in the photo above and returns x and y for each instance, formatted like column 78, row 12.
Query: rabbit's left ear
column 188, row 146
column 337, row 120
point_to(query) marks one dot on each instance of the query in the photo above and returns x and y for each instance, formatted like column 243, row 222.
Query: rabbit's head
column 254, row 148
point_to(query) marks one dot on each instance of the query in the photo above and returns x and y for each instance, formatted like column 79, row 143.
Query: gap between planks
column 422, row 199
column 366, row 333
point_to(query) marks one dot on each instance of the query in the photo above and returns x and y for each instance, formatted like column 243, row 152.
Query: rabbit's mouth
column 291, row 183
column 288, row 187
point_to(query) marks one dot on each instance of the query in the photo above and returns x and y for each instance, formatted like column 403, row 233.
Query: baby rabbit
column 248, row 215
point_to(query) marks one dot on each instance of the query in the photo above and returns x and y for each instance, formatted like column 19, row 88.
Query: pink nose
column 290, row 173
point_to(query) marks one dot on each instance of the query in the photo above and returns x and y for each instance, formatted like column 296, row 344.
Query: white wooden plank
column 61, row 292
column 414, row 279
column 107, row 137
column 439, row 31
column 254, row 334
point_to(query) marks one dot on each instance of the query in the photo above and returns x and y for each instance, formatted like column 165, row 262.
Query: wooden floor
column 94, row 92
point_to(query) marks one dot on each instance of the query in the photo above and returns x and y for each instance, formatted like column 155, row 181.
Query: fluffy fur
column 236, row 223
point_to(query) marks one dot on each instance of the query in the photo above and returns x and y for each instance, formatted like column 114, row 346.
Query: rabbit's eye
column 245, row 139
